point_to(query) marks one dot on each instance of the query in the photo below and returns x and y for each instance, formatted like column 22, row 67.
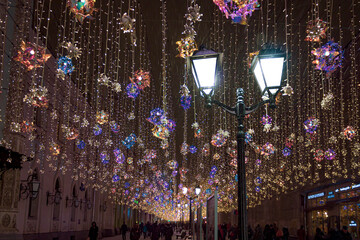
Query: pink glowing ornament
column 349, row 132
column 267, row 149
column 237, row 10
column 114, row 127
column 330, row 154
column 141, row 79
column 328, row 57
column 289, row 142
column 97, row 130
column 220, row 138
column 316, row 30
column 319, row 155
column 311, row 125
column 31, row 55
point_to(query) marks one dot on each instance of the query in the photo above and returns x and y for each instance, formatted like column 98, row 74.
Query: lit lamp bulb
column 184, row 190
column 197, row 190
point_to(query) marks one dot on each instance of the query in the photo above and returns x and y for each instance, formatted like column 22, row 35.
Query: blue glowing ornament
column 208, row 191
column 97, row 130
column 258, row 180
column 115, row 127
column 81, row 144
column 155, row 116
column 65, row 65
column 248, row 137
column 257, row 189
column 192, row 149
column 236, row 178
column 171, row 125
column 136, row 195
column 115, row 178
column 104, row 157
column 286, row 152
column 156, row 198
column 185, row 102
column 132, row 90
column 129, row 141
column 127, row 185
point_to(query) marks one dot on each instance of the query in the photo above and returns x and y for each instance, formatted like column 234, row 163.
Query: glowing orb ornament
column 37, row 97
column 349, row 132
column 65, row 65
column 97, row 130
column 220, row 138
column 286, row 152
column 238, row 10
column 186, row 47
column 141, row 79
column 192, row 149
column 80, row 144
column 102, row 117
column 115, row 178
column 54, row 149
column 129, row 160
column 155, row 116
column 257, row 189
column 267, row 149
column 330, row 154
column 132, row 90
column 248, row 137
column 184, row 148
column 31, row 55
column 328, row 57
column 129, row 141
column 311, row 125
column 316, row 30
column 27, row 127
column 82, row 9
column 115, row 127
column 319, row 155
column 104, row 157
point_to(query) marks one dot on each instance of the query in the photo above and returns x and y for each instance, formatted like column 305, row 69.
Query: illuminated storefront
column 334, row 207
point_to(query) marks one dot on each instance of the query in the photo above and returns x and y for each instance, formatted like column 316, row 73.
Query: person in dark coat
column 135, row 233
column 168, row 232
column 301, row 233
column 123, row 230
column 233, row 233
column 155, row 231
column 345, row 235
column 319, row 235
column 286, row 233
column 93, row 232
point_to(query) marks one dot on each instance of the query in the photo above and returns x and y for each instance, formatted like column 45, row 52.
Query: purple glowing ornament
column 286, row 152
column 97, row 130
column 115, row 178
column 156, row 116
column 266, row 119
column 127, row 185
column 330, row 154
column 132, row 90
column 192, row 149
column 104, row 157
column 311, row 125
column 185, row 102
column 115, row 127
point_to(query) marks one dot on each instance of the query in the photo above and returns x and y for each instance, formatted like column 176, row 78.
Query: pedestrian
column 345, row 235
column 319, row 235
column 123, row 231
column 250, row 232
column 258, row 235
column 279, row 234
column 233, row 233
column 135, row 233
column 301, row 233
column 168, row 232
column 155, row 231
column 285, row 233
column 93, row 232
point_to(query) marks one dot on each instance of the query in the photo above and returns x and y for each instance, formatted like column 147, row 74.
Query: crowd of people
column 153, row 231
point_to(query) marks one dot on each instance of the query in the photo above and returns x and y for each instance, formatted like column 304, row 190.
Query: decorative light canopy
column 268, row 67
column 205, row 65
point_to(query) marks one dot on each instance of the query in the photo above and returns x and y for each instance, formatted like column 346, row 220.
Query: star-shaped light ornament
column 275, row 128
column 316, row 30
column 131, row 116
column 85, row 123
column 333, row 140
column 72, row 50
column 116, row 87
column 127, row 23
column 287, row 90
column 54, row 115
column 37, row 97
column 189, row 31
column 194, row 14
column 104, row 80
column 327, row 101
column 76, row 118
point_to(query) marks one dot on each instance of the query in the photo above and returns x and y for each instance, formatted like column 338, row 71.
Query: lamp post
column 268, row 69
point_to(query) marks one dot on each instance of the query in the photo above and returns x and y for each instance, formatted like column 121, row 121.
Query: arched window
column 56, row 214
column 33, row 201
column 73, row 207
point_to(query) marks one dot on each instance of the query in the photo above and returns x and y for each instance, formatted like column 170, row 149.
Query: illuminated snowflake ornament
column 311, row 125
column 72, row 50
column 186, row 47
column 316, row 30
column 129, row 141
column 220, row 138
column 31, row 55
column 194, row 14
column 141, row 79
column 349, row 132
column 327, row 101
column 287, row 90
column 267, row 149
column 102, row 117
column 330, row 154
column 319, row 155
column 127, row 23
column 328, row 57
column 132, row 90
column 82, row 9
column 37, row 97
column 65, row 65
column 104, row 80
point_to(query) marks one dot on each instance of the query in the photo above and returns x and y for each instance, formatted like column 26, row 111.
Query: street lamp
column 268, row 69
column 197, row 190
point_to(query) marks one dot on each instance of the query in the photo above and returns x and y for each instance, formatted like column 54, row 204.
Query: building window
column 33, row 203
column 56, row 214
column 73, row 208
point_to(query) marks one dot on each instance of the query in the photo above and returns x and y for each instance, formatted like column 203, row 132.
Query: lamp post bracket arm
column 254, row 107
column 230, row 110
